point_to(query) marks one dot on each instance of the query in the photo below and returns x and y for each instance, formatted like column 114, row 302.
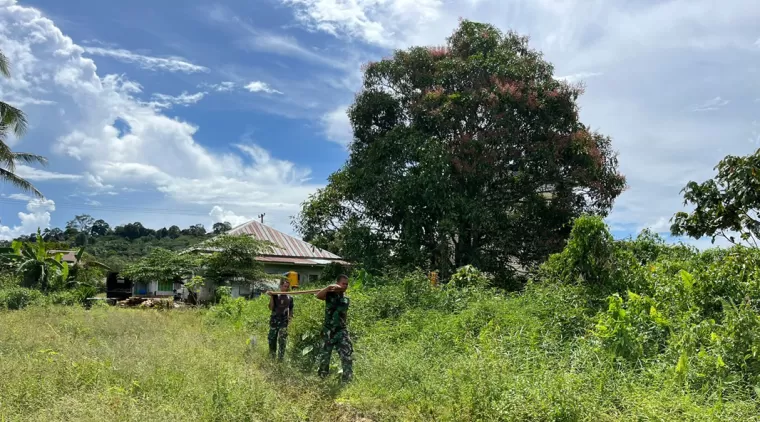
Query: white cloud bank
column 37, row 217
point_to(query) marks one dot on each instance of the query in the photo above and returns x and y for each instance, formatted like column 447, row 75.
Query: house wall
column 306, row 274
column 151, row 289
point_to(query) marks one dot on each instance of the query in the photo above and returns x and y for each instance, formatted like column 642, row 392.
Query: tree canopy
column 233, row 258
column 726, row 205
column 467, row 154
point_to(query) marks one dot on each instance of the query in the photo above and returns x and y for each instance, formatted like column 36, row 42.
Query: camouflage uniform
column 278, row 325
column 335, row 332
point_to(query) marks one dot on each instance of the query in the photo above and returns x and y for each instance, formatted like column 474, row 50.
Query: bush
column 469, row 276
column 331, row 272
column 18, row 297
column 64, row 297
column 8, row 279
column 634, row 328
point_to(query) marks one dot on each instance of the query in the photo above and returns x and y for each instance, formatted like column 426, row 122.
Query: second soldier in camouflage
column 335, row 328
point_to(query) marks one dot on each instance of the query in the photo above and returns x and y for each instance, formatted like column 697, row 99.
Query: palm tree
column 14, row 120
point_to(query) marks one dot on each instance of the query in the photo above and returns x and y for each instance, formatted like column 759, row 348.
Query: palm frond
column 29, row 158
column 22, row 184
column 5, row 68
column 12, row 118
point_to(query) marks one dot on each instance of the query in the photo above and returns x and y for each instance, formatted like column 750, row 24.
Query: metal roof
column 285, row 245
column 298, row 261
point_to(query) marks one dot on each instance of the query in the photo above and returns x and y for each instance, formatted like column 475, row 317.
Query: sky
column 187, row 112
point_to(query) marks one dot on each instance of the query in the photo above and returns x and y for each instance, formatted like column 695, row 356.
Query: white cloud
column 158, row 152
column 258, row 86
column 169, row 64
column 225, row 86
column 576, row 77
column 96, row 182
column 337, row 126
column 375, row 22
column 37, row 217
column 38, row 175
column 255, row 39
column 19, row 197
column 711, row 105
column 183, row 99
column 220, row 215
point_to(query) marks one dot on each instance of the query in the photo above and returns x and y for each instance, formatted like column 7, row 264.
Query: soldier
column 281, row 306
column 335, row 328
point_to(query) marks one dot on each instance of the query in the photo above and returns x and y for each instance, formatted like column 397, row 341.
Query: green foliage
column 223, row 294
column 331, row 272
column 15, row 298
column 13, row 120
column 467, row 154
column 161, row 265
column 193, row 285
column 469, row 276
column 233, row 259
column 8, row 279
column 76, row 296
column 634, row 328
column 37, row 268
column 726, row 204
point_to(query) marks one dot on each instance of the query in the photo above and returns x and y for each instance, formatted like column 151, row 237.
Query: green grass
column 66, row 363
column 439, row 356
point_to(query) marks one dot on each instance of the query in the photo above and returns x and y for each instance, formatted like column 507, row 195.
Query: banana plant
column 36, row 266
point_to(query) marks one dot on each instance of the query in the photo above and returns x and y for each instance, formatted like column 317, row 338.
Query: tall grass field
column 643, row 332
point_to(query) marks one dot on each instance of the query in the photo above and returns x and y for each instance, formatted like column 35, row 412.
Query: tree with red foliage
column 471, row 153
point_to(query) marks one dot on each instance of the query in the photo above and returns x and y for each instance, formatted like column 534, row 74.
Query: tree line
column 84, row 229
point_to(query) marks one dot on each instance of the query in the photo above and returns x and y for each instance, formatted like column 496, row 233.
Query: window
column 165, row 286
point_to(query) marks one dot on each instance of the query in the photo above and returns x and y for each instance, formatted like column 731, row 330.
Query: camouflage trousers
column 340, row 340
column 278, row 336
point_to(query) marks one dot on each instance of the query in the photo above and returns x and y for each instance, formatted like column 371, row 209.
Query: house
column 69, row 257
column 288, row 254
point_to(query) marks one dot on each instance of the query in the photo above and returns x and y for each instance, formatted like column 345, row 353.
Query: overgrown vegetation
column 652, row 332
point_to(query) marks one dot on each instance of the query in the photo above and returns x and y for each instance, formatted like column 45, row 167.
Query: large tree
column 470, row 153
column 727, row 205
column 13, row 120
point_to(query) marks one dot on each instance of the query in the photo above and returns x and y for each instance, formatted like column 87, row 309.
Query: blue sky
column 184, row 112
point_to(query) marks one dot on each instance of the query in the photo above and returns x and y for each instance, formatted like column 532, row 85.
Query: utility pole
column 261, row 217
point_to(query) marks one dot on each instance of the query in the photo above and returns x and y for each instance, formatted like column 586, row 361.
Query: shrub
column 634, row 328
column 469, row 276
column 18, row 297
column 8, row 279
column 331, row 272
column 588, row 256
column 64, row 297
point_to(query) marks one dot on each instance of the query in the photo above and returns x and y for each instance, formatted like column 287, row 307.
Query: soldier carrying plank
column 335, row 328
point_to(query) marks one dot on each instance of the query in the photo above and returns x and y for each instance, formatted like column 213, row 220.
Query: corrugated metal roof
column 285, row 245
column 298, row 261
